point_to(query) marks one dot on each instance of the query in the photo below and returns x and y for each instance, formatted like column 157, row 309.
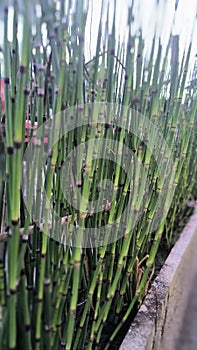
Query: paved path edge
column 158, row 322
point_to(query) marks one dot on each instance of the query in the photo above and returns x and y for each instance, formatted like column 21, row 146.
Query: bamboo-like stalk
column 67, row 293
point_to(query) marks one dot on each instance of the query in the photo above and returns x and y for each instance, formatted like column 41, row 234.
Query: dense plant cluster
column 57, row 292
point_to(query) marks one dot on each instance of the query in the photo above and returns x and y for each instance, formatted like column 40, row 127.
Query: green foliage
column 61, row 296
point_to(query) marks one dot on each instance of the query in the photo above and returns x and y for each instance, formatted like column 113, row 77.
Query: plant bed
column 158, row 322
column 96, row 152
column 162, row 254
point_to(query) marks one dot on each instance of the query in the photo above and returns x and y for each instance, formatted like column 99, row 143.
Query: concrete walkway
column 187, row 339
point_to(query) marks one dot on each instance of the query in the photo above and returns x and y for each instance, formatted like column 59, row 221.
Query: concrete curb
column 158, row 322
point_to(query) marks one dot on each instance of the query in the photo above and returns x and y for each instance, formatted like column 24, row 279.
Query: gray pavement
column 187, row 339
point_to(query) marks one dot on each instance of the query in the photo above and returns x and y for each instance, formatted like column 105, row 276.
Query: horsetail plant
column 99, row 166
